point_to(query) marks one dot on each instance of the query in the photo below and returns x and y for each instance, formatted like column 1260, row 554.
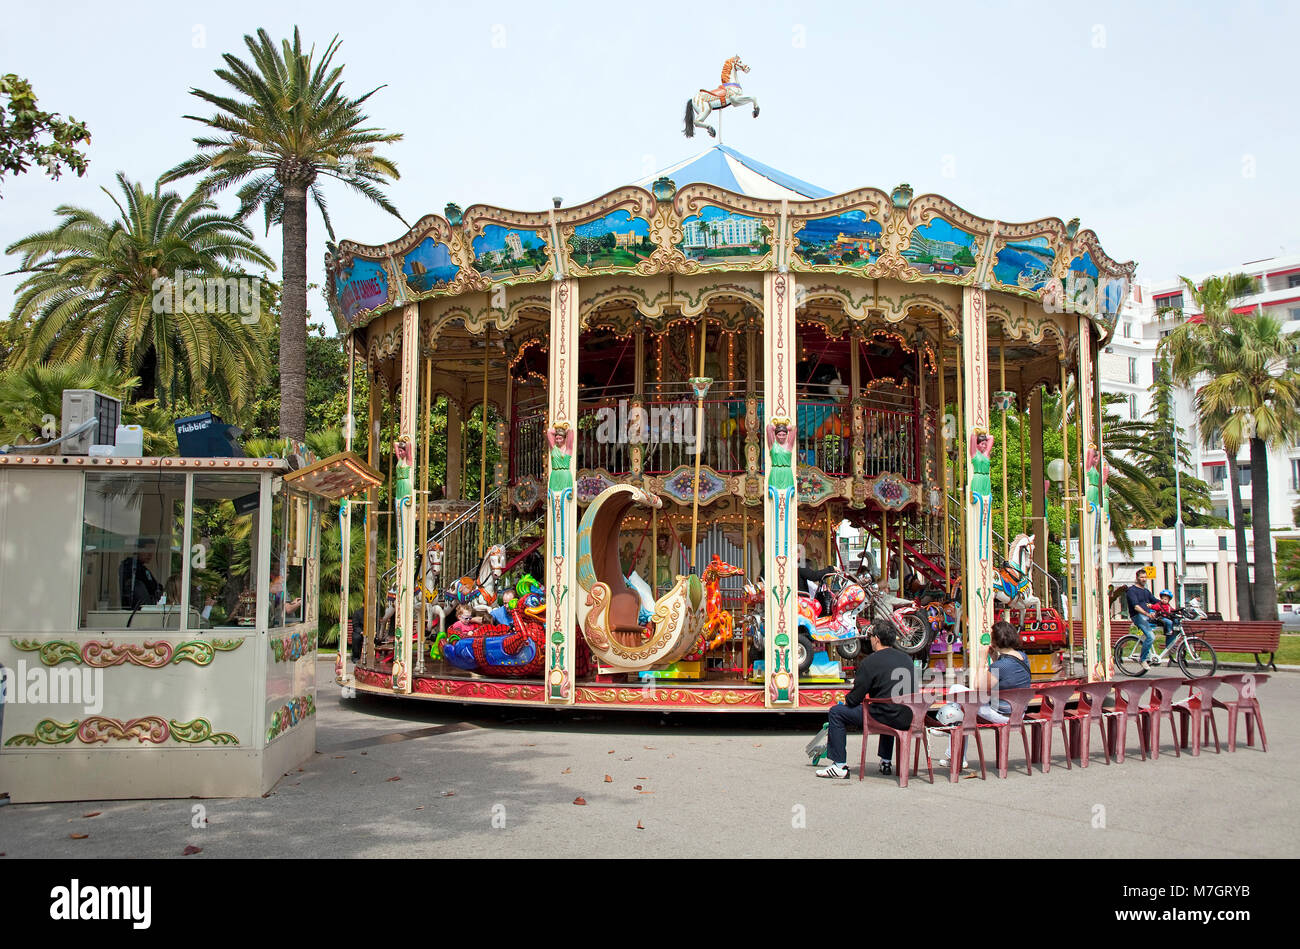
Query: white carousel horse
column 706, row 101
column 479, row 594
column 1021, row 559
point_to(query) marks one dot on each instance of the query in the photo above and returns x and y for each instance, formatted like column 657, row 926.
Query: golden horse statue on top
column 706, row 101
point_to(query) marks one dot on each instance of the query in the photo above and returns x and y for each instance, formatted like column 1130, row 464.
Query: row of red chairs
column 1144, row 701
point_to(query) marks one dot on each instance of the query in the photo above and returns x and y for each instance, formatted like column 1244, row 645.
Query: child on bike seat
column 1164, row 612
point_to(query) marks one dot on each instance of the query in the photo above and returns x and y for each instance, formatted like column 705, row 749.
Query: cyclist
column 1140, row 601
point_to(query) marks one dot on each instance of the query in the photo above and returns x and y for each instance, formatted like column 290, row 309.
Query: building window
column 1133, row 406
column 1292, row 280
column 1216, row 476
column 1213, row 441
column 1293, row 313
column 1295, row 474
column 1132, row 369
column 1243, row 475
column 1172, row 302
column 1127, row 330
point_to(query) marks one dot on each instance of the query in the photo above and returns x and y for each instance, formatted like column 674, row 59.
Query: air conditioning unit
column 81, row 405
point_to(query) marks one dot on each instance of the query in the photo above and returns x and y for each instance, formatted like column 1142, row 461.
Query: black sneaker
column 886, row 767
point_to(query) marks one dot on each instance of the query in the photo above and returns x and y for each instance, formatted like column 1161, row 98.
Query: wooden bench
column 1253, row 636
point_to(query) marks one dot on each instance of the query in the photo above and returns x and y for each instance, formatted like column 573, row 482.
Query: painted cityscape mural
column 362, row 285
column 616, row 240
column 717, row 236
column 941, row 248
column 850, row 239
column 429, row 267
column 509, row 252
column 1026, row 264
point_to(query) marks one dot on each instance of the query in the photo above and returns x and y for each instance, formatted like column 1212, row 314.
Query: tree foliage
column 28, row 135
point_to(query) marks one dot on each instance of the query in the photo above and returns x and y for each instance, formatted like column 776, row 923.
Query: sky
column 1168, row 128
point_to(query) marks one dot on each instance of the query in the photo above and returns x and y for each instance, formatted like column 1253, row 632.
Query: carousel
column 620, row 437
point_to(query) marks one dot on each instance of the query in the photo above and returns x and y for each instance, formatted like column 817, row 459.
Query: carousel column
column 404, row 496
column 859, row 444
column 1090, row 511
column 453, row 482
column 562, row 508
column 753, row 439
column 372, row 596
column 1038, row 492
column 1106, row 658
column 345, row 534
column 979, row 495
column 636, row 427
column 780, row 561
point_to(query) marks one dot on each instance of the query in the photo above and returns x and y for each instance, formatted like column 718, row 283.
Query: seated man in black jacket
column 883, row 673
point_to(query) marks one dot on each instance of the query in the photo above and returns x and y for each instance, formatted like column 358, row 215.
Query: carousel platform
column 725, row 695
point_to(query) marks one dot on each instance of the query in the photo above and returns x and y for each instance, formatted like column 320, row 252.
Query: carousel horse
column 478, row 594
column 1011, row 582
column 706, row 101
column 718, row 623
column 609, row 610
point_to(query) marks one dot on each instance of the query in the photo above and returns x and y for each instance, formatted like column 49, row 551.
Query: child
column 1164, row 612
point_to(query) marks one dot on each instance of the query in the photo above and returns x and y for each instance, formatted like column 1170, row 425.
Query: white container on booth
column 130, row 441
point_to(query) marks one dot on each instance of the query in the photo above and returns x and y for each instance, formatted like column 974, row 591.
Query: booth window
column 289, row 533
column 132, row 559
column 223, row 548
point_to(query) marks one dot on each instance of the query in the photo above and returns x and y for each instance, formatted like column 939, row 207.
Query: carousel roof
column 725, row 167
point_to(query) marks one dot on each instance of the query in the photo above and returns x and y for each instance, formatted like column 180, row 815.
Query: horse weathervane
column 707, row 100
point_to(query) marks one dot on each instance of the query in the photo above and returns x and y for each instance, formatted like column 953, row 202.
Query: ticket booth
column 158, row 623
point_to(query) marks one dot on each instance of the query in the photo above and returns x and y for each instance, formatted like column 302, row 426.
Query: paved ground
column 478, row 782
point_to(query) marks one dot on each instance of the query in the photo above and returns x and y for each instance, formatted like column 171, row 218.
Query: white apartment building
column 1127, row 366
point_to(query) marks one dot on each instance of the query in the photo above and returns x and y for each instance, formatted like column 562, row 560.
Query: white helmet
column 950, row 714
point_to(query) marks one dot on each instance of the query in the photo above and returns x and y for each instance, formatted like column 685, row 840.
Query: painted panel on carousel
column 360, row 287
column 679, row 484
column 429, row 267
column 1081, row 285
column 942, row 249
column 719, row 236
column 1026, row 264
column 505, row 252
column 617, row 240
column 850, row 239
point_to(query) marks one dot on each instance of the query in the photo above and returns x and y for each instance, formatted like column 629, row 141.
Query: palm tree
column 1191, row 349
column 290, row 125
column 1126, row 444
column 1253, row 395
column 105, row 291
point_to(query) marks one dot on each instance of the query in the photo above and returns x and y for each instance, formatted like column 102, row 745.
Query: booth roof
column 725, row 167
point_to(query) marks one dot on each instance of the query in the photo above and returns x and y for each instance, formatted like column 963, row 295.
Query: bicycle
column 1195, row 657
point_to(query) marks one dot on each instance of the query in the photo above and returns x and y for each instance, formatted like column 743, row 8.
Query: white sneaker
column 833, row 771
column 943, row 763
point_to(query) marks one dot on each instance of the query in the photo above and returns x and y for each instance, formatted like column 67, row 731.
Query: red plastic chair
column 1128, row 707
column 903, row 737
column 1162, row 699
column 1050, row 716
column 1019, row 700
column 970, row 703
column 1246, row 702
column 1091, row 697
column 1196, row 713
